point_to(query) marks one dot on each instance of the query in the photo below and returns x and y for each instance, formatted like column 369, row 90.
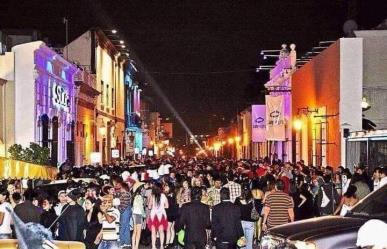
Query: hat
column 136, row 186
column 371, row 234
column 74, row 194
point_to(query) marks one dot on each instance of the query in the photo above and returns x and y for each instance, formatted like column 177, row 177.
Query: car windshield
column 373, row 206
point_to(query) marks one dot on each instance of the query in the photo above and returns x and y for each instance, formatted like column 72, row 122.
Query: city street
column 193, row 124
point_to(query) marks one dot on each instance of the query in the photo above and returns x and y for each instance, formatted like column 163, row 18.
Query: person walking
column 157, row 221
column 194, row 225
column 122, row 194
column 172, row 212
column 249, row 208
column 26, row 210
column 72, row 221
column 279, row 207
column 235, row 188
column 109, row 218
column 93, row 227
column 138, row 213
column 226, row 222
column 5, row 216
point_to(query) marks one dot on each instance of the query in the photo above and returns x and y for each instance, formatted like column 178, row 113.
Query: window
column 107, row 95
column 102, row 91
column 113, row 98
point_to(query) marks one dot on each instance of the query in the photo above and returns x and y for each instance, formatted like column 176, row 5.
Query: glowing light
column 230, row 140
column 217, row 146
column 114, row 31
column 123, row 46
column 122, row 42
column 364, row 103
column 297, row 124
column 223, row 142
column 237, row 139
column 102, row 130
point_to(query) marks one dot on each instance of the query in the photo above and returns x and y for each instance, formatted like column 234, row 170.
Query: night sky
column 181, row 42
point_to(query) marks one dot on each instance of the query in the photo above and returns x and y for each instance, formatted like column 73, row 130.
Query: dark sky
column 196, row 37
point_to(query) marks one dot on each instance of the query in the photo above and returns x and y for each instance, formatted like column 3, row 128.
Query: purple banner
column 258, row 119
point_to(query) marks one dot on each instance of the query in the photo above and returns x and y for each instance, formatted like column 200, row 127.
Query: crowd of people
column 172, row 202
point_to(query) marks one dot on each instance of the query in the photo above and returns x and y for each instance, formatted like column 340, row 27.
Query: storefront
column 86, row 121
column 45, row 108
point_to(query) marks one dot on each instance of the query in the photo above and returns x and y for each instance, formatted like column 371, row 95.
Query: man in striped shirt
column 279, row 207
column 109, row 217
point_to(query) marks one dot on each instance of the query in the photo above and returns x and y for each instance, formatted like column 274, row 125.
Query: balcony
column 133, row 120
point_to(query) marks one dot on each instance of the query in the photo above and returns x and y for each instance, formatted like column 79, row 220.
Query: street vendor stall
column 13, row 169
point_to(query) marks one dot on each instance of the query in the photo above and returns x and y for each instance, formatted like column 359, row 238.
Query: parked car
column 330, row 232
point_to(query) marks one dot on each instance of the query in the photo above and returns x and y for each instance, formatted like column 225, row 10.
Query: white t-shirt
column 111, row 231
column 5, row 228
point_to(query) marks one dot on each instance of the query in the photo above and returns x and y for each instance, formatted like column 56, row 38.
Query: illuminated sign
column 115, row 154
column 60, row 97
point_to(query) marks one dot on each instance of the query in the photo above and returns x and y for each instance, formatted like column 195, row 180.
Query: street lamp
column 237, row 139
column 102, row 130
column 297, row 124
column 114, row 31
column 230, row 140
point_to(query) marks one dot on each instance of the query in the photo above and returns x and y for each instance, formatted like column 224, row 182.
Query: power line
column 204, row 73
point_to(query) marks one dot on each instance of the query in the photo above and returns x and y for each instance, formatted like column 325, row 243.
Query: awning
column 12, row 169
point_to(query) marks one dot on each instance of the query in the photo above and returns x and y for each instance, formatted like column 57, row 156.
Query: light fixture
column 122, row 42
column 102, row 130
column 123, row 46
column 237, row 139
column 114, row 31
column 230, row 140
column 297, row 124
column 364, row 103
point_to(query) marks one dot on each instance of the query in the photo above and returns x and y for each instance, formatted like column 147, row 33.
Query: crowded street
column 130, row 124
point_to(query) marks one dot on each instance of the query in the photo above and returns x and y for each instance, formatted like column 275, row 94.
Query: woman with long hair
column 138, row 213
column 184, row 194
column 172, row 212
column 93, row 227
column 157, row 221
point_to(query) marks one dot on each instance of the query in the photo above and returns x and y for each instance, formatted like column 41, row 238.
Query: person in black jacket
column 48, row 217
column 226, row 222
column 72, row 221
column 195, row 219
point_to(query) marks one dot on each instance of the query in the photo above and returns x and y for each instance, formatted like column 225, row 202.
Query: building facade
column 279, row 107
column 41, row 105
column 133, row 120
column 95, row 52
column 326, row 103
column 85, row 127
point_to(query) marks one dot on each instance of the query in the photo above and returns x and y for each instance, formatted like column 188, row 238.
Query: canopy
column 18, row 170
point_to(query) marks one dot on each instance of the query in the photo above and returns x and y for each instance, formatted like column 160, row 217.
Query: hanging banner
column 275, row 120
column 258, row 119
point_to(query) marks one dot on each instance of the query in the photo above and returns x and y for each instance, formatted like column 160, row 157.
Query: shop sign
column 115, row 154
column 275, row 120
column 60, row 97
column 258, row 123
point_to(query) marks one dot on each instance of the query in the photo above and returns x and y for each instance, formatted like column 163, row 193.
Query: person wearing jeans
column 248, row 231
column 123, row 203
column 246, row 204
column 125, row 238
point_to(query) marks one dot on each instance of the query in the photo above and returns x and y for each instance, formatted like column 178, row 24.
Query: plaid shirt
column 213, row 196
column 235, row 190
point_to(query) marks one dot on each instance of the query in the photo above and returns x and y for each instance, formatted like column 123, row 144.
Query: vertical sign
column 258, row 120
column 275, row 120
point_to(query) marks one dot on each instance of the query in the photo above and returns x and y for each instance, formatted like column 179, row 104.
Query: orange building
column 86, row 113
column 326, row 100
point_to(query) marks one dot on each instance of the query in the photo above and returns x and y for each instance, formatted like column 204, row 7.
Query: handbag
column 254, row 213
